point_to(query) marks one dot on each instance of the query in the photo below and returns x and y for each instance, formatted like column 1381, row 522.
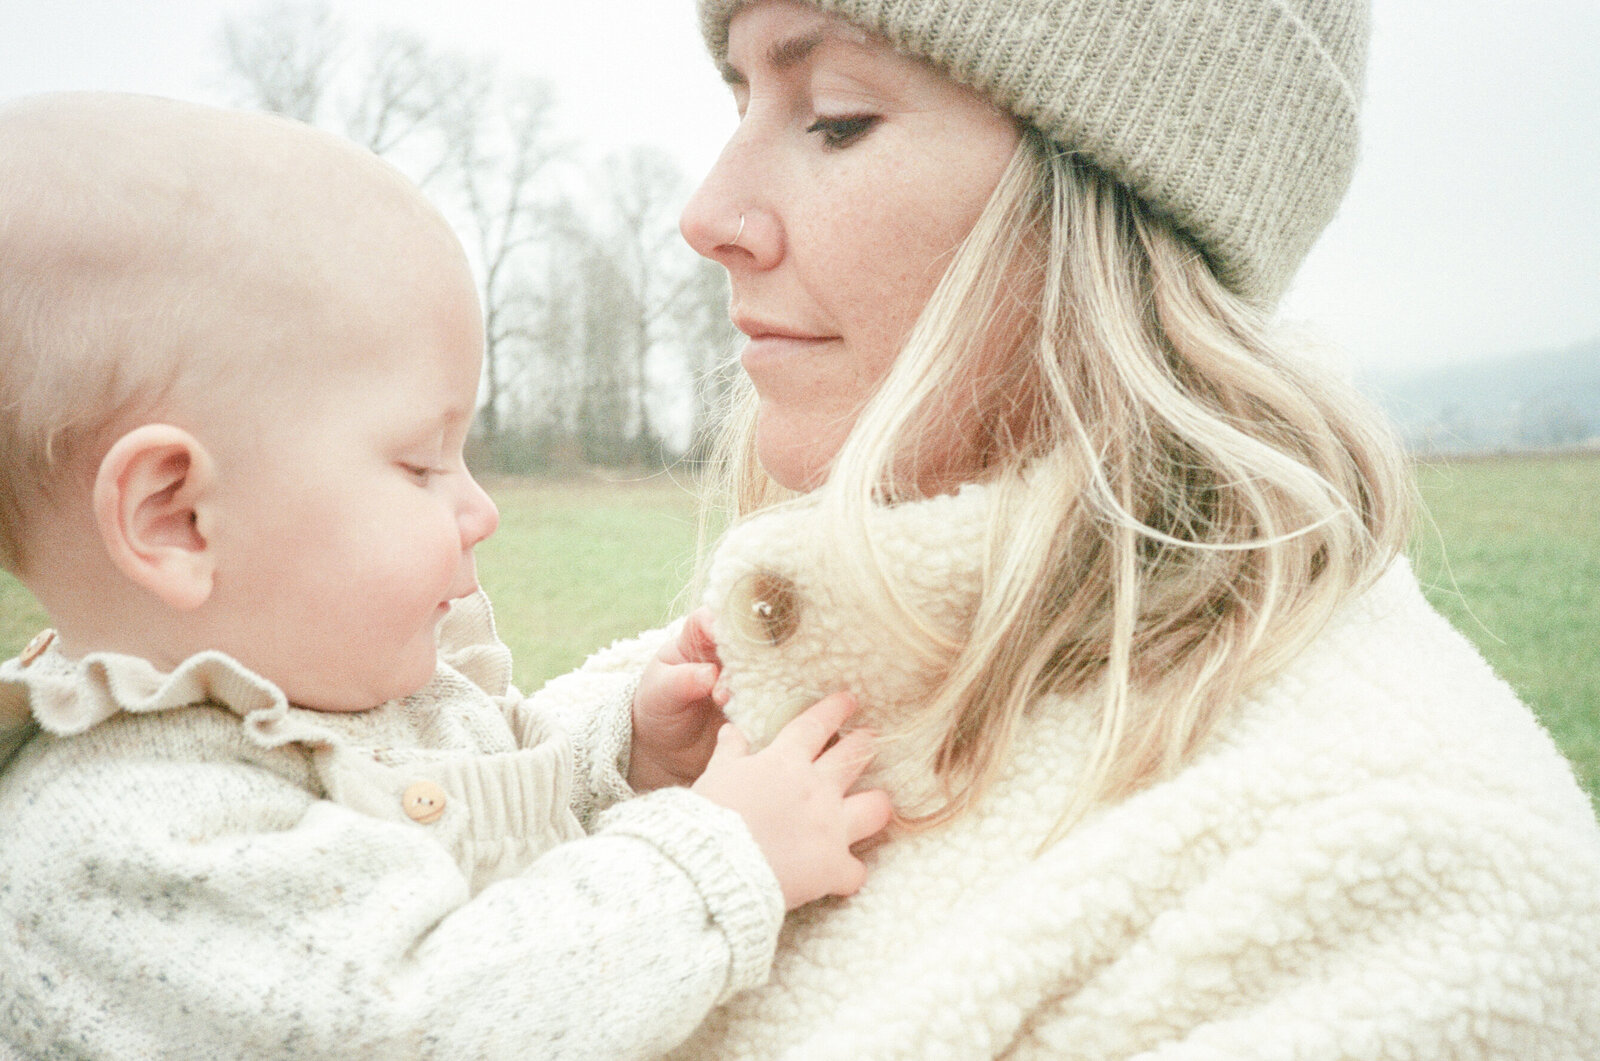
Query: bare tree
column 403, row 89
column 603, row 409
column 284, row 58
column 656, row 273
column 494, row 162
column 292, row 59
column 709, row 343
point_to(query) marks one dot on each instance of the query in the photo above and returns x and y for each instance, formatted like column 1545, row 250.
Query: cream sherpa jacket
column 1381, row 855
column 192, row 868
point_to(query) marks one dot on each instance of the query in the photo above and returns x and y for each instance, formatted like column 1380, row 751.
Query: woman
column 1187, row 766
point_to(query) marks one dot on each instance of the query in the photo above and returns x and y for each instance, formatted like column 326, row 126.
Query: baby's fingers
column 852, row 875
column 730, row 743
column 867, row 814
column 688, row 683
column 814, row 727
column 695, row 642
column 845, row 761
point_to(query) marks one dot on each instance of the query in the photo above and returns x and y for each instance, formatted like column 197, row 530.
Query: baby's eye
column 842, row 132
column 422, row 473
column 764, row 607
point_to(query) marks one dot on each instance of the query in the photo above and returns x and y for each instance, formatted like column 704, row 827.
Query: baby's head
column 238, row 362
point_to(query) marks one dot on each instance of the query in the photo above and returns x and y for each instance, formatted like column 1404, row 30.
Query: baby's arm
column 592, row 704
column 157, row 905
column 793, row 795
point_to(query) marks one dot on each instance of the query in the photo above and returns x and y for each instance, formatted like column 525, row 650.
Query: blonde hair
column 79, row 352
column 1179, row 506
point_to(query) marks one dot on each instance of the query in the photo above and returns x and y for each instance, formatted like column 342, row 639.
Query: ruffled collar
column 44, row 689
column 65, row 696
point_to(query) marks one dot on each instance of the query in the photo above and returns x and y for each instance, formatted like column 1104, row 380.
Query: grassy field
column 1513, row 559
column 1511, row 554
column 576, row 566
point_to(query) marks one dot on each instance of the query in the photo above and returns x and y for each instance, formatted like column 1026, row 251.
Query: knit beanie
column 1234, row 119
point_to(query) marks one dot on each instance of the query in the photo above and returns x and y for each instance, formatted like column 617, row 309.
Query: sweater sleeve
column 594, row 705
column 154, row 907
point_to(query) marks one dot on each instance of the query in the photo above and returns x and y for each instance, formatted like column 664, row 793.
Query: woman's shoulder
column 1390, row 692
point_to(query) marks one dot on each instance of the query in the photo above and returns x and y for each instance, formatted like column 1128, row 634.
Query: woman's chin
column 796, row 460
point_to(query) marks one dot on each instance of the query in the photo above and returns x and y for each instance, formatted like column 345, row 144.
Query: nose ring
column 734, row 242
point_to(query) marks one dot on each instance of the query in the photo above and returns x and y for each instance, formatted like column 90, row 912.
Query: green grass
column 20, row 616
column 1514, row 561
column 577, row 565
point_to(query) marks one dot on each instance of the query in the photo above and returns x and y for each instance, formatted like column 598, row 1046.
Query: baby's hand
column 795, row 796
column 676, row 713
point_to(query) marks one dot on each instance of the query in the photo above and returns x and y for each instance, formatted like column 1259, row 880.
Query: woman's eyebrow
column 781, row 55
column 786, row 53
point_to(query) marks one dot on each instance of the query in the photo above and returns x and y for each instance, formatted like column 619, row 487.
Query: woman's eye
column 842, row 132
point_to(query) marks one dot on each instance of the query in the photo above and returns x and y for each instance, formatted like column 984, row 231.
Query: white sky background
column 1472, row 228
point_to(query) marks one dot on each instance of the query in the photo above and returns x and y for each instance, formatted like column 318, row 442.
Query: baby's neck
column 94, row 609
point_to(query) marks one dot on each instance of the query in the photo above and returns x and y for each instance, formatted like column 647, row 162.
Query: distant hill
column 1542, row 399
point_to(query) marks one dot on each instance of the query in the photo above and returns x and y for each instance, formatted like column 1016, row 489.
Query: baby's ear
column 145, row 505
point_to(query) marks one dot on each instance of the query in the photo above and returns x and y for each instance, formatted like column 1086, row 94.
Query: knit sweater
column 1380, row 854
column 192, row 867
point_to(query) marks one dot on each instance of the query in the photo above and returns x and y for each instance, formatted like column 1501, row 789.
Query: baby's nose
column 478, row 517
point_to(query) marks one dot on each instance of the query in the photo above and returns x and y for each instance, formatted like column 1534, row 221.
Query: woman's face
column 856, row 171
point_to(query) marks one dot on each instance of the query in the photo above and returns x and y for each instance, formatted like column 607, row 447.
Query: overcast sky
column 1472, row 229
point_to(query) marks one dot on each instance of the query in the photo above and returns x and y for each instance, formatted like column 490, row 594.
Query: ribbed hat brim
column 1236, row 119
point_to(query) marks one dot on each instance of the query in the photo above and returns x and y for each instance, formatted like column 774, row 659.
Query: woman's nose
column 478, row 516
column 724, row 223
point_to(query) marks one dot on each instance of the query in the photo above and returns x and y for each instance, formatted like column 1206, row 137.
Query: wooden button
column 423, row 802
column 36, row 647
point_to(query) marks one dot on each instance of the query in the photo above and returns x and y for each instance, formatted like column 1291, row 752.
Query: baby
column 266, row 789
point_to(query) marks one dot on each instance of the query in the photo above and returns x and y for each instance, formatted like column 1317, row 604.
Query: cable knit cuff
column 602, row 739
column 716, row 851
column 610, row 745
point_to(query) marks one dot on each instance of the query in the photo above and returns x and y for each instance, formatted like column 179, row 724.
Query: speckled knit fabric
column 1237, row 119
column 192, row 868
column 1379, row 856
